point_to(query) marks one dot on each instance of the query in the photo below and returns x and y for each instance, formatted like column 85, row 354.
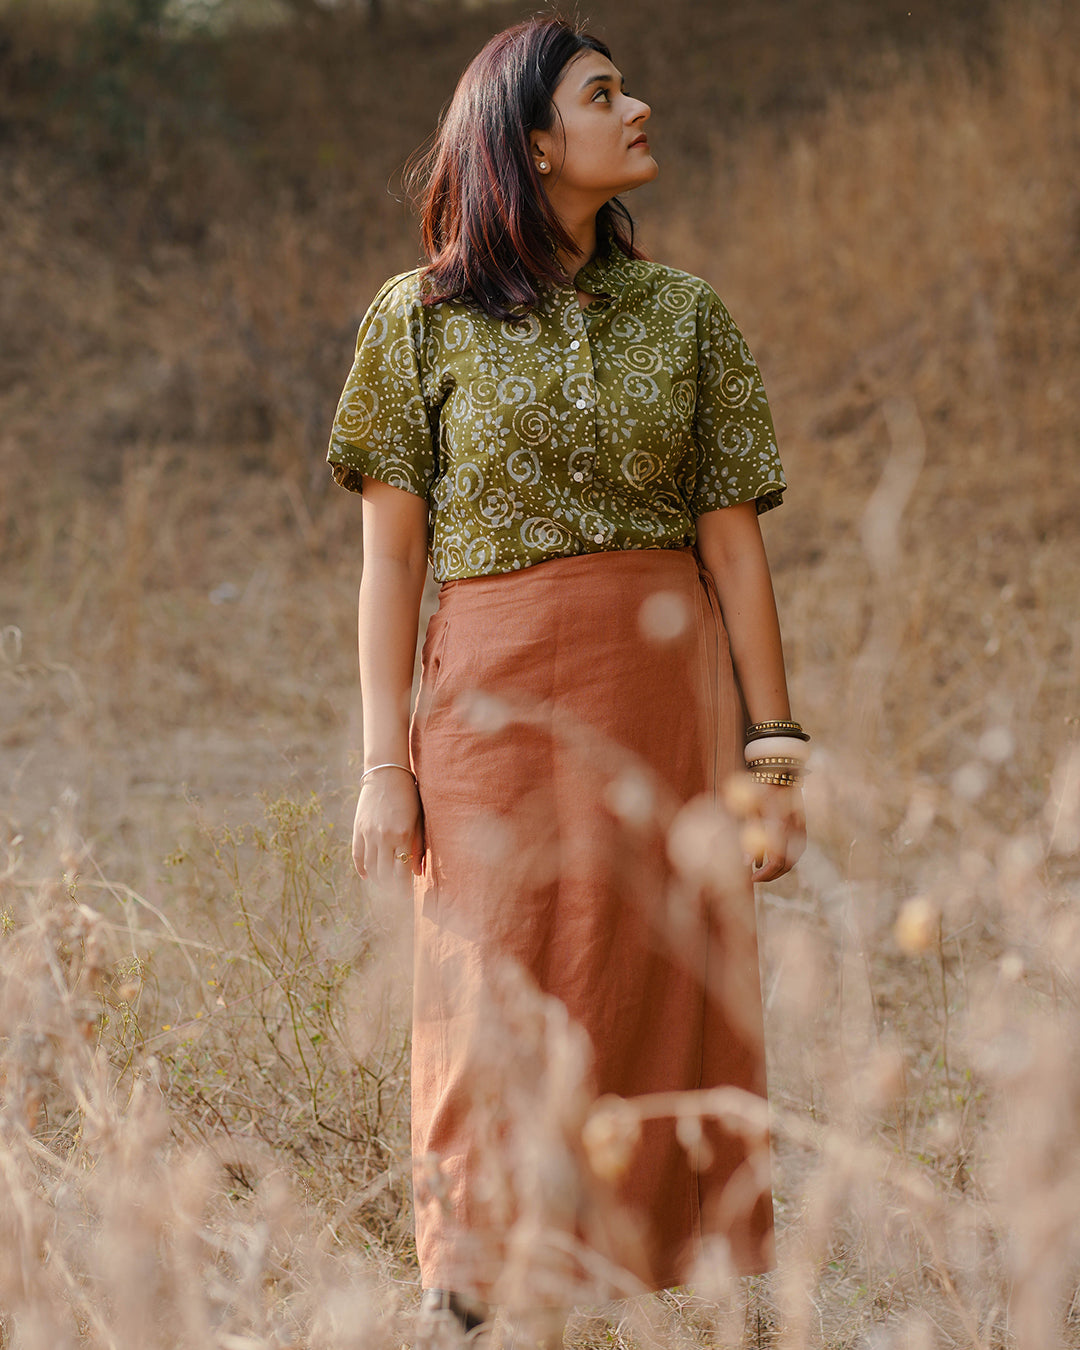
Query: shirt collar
column 605, row 273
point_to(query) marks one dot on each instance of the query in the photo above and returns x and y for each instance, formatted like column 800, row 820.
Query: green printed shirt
column 565, row 430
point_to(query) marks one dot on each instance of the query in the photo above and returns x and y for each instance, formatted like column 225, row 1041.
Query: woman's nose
column 639, row 112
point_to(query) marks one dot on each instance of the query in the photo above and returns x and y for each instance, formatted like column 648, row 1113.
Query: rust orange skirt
column 567, row 715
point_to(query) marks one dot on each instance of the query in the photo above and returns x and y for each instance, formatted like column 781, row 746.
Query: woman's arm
column 730, row 544
column 388, row 817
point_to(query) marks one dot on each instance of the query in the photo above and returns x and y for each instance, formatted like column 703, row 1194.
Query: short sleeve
column 737, row 456
column 382, row 426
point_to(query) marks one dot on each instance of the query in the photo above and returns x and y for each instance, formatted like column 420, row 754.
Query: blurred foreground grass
column 202, row 1017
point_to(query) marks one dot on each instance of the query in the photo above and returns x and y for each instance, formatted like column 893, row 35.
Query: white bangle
column 376, row 767
column 768, row 746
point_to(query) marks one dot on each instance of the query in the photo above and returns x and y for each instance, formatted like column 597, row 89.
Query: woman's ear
column 541, row 158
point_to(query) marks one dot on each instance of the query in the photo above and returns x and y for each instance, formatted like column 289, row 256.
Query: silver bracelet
column 376, row 767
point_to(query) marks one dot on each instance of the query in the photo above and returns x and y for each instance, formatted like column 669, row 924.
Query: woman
column 579, row 441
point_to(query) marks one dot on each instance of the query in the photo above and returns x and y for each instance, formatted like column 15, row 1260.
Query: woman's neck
column 583, row 233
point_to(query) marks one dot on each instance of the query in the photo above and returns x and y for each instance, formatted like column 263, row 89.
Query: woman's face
column 596, row 147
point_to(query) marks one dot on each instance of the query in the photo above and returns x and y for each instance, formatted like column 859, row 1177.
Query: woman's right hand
column 388, row 824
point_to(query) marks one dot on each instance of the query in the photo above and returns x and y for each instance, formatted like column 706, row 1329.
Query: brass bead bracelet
column 758, row 730
column 777, row 779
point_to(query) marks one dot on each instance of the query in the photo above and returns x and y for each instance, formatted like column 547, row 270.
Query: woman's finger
column 417, row 846
column 784, row 824
column 770, row 868
column 781, row 854
column 387, row 865
column 393, row 861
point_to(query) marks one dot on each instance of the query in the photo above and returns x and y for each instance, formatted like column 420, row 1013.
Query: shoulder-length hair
column 486, row 224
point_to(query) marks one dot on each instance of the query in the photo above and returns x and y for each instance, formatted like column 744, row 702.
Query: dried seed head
column 610, row 1136
column 917, row 925
column 755, row 837
column 664, row 616
column 742, row 796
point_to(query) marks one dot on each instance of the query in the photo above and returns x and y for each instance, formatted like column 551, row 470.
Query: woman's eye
column 598, row 93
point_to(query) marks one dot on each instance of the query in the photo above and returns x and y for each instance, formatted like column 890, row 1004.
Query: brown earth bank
column 885, row 195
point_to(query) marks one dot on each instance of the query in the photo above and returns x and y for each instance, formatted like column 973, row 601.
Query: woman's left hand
column 783, row 822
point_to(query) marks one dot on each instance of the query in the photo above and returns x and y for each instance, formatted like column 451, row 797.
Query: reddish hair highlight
column 486, row 225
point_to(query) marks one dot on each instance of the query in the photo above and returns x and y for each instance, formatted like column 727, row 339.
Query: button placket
column 581, row 462
column 579, row 367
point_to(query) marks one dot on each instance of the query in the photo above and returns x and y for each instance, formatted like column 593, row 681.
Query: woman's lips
column 641, row 140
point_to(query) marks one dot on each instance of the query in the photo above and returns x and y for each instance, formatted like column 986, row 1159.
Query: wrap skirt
column 584, row 933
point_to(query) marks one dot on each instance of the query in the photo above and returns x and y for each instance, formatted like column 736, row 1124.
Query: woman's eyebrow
column 603, row 79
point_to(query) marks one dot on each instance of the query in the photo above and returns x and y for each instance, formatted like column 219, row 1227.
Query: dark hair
column 486, row 225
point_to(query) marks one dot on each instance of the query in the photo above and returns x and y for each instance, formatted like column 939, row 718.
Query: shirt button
column 579, row 477
column 582, row 403
column 575, row 345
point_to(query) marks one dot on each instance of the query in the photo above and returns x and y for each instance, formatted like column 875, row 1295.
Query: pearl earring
column 543, row 166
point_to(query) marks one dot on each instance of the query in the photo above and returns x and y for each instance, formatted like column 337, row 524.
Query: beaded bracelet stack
column 776, row 753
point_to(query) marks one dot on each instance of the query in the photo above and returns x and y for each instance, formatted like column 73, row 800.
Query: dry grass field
column 203, row 1016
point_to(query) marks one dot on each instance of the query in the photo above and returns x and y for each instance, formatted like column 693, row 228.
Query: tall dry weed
column 213, row 1182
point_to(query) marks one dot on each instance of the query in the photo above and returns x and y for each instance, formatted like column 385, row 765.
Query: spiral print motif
column 742, row 351
column 441, row 492
column 497, row 507
column 667, row 504
column 523, row 466
column 577, row 385
column 676, row 298
column 457, row 332
column 480, row 556
column 357, row 412
column 683, row 398
column 398, row 474
column 532, row 424
column 581, row 461
column 628, row 328
column 643, row 388
column 401, row 358
column 524, row 329
column 469, row 481
column 484, row 391
column 516, row 389
column 376, row 332
column 736, row 438
column 646, row 523
column 595, row 528
column 736, row 386
column 414, row 413
column 641, row 466
column 685, row 329
column 540, row 532
column 448, row 558
column 645, row 360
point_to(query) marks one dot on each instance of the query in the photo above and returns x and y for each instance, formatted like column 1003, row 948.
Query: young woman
column 579, row 441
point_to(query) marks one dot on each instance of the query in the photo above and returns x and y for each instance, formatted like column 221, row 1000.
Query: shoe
column 445, row 1317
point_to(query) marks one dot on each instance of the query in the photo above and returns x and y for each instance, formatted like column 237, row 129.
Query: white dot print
column 483, row 417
